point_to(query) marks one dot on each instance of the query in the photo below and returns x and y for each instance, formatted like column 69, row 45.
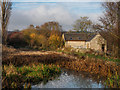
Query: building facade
column 85, row 40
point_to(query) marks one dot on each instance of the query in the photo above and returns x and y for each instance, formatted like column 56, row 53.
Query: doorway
column 103, row 47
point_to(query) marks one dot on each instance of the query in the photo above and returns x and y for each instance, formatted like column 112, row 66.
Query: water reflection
column 70, row 79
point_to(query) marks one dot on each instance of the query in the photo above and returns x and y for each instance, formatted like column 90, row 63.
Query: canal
column 71, row 79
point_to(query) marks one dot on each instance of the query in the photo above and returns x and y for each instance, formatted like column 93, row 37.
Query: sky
column 64, row 0
column 66, row 13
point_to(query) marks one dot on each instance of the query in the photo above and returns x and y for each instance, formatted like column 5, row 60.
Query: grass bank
column 16, row 77
column 90, row 55
column 96, row 66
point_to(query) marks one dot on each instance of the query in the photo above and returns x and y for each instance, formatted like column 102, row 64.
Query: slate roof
column 79, row 36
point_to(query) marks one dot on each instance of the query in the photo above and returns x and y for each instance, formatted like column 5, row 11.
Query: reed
column 84, row 62
column 16, row 77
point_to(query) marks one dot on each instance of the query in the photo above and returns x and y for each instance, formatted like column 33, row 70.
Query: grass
column 113, row 81
column 90, row 55
column 16, row 77
column 90, row 65
column 112, row 77
column 103, row 57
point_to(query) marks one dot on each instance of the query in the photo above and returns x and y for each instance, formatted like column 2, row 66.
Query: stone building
column 85, row 40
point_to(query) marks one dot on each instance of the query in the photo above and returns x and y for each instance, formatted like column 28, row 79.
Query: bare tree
column 111, row 25
column 6, row 7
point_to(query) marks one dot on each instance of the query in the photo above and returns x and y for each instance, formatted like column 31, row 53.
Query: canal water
column 71, row 79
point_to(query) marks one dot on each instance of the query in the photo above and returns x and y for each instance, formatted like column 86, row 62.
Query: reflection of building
column 85, row 40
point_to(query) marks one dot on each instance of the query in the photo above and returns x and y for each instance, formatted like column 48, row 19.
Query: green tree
column 83, row 24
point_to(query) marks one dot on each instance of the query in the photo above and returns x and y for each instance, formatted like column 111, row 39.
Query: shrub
column 16, row 39
column 55, row 41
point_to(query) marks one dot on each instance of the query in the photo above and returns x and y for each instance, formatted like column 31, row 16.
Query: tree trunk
column 4, row 36
column 5, row 6
column 118, row 30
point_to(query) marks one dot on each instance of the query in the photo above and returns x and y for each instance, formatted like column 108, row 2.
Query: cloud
column 39, row 13
column 37, row 16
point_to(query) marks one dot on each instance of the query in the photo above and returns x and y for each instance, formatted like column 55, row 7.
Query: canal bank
column 95, row 67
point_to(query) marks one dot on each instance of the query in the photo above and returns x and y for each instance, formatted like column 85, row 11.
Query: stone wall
column 96, row 43
column 75, row 44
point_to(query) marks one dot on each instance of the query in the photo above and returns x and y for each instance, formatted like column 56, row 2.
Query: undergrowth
column 103, row 57
column 16, row 77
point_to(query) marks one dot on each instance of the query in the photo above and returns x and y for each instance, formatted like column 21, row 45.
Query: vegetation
column 112, row 77
column 5, row 12
column 110, row 26
column 19, row 70
column 98, row 67
column 113, row 81
column 83, row 24
column 55, row 41
column 16, row 77
column 29, row 36
column 90, row 54
column 46, row 37
column 16, row 40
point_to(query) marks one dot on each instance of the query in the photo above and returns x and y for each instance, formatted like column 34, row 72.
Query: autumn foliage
column 16, row 39
column 46, row 36
column 55, row 41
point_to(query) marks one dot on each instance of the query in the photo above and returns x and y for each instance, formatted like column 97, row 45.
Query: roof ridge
column 82, row 36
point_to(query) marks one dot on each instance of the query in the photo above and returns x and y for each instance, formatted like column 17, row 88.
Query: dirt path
column 42, row 53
